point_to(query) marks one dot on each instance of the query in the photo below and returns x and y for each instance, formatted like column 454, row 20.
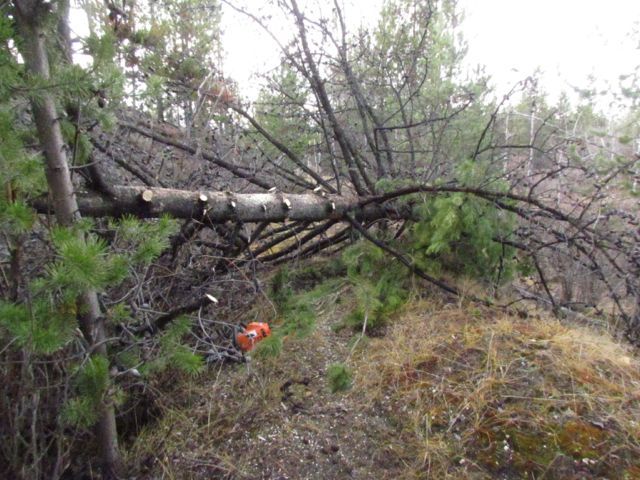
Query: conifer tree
column 54, row 315
column 31, row 20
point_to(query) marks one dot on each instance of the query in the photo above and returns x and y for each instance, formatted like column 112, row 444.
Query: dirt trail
column 302, row 430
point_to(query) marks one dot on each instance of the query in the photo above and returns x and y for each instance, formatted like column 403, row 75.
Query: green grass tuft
column 340, row 377
column 270, row 347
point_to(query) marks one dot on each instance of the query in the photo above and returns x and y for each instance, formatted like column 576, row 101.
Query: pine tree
column 57, row 316
column 31, row 18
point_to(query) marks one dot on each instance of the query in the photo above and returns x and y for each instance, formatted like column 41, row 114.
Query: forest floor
column 446, row 390
column 277, row 418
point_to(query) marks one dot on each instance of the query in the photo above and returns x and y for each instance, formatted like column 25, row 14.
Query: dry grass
column 451, row 391
column 478, row 394
column 180, row 445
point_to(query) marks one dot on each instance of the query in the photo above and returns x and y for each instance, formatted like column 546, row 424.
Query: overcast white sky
column 568, row 39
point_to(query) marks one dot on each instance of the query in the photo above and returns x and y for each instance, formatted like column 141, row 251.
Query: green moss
column 533, row 450
column 524, row 449
column 582, row 440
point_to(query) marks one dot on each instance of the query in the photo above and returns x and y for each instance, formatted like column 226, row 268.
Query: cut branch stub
column 211, row 298
column 147, row 196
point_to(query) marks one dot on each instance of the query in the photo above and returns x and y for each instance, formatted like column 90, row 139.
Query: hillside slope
column 448, row 391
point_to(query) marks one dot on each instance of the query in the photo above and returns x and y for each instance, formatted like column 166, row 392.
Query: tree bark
column 218, row 207
column 30, row 17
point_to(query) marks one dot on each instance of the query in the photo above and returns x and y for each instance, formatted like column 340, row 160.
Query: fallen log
column 217, row 207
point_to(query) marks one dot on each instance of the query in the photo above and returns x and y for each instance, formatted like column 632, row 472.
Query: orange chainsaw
column 250, row 335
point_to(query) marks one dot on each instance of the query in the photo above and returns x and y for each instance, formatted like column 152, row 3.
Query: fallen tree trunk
column 216, row 206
